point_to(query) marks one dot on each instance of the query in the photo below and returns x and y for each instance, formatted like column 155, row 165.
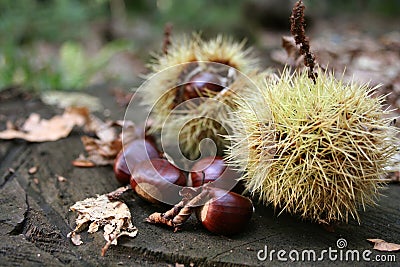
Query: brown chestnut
column 133, row 153
column 154, row 180
column 226, row 213
column 201, row 82
column 211, row 169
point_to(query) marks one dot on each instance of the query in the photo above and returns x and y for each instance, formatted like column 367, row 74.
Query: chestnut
column 154, row 180
column 133, row 153
column 200, row 82
column 211, row 169
column 225, row 213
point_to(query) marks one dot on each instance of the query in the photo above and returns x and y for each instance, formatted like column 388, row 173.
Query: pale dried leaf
column 129, row 131
column 106, row 133
column 382, row 245
column 93, row 227
column 67, row 99
column 114, row 216
column 103, row 150
column 75, row 238
column 100, row 152
column 36, row 129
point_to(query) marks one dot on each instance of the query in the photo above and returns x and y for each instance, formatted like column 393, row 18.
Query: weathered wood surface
column 35, row 219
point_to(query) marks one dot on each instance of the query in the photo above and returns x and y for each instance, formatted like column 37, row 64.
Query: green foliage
column 73, row 69
column 56, row 20
column 208, row 16
column 59, row 22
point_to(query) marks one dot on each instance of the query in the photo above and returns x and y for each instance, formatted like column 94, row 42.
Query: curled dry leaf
column 100, row 152
column 382, row 245
column 83, row 162
column 103, row 150
column 75, row 239
column 36, row 129
column 116, row 194
column 114, row 216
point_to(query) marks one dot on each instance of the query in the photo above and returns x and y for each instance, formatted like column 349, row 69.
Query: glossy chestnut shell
column 154, row 179
column 215, row 170
column 212, row 167
column 133, row 153
column 200, row 82
column 226, row 213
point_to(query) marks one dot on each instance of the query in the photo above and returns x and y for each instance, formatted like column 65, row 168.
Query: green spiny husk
column 315, row 150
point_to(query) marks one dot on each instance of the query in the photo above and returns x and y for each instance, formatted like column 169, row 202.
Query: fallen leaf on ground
column 382, row 245
column 36, row 129
column 100, row 152
column 103, row 149
column 83, row 162
column 76, row 239
column 116, row 194
column 113, row 216
column 67, row 99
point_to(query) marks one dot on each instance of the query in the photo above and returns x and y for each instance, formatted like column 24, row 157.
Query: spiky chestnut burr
column 195, row 68
column 315, row 150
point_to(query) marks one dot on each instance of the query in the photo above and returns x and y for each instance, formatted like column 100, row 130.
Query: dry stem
column 297, row 28
column 167, row 38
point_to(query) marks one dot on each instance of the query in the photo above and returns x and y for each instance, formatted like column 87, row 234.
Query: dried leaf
column 129, row 131
column 382, row 245
column 36, row 129
column 103, row 150
column 81, row 161
column 114, row 216
column 67, row 99
column 116, row 194
column 100, row 152
column 75, row 238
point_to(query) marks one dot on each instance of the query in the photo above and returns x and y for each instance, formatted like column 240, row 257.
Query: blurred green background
column 68, row 44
